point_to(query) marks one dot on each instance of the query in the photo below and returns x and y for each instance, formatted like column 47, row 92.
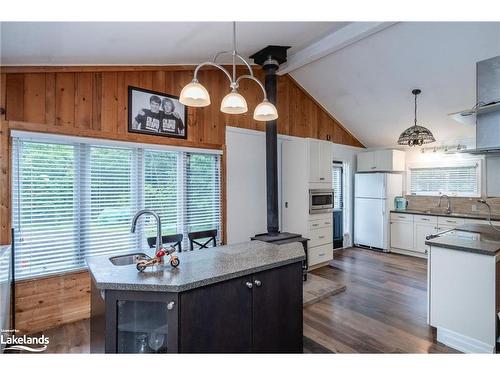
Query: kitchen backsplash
column 458, row 205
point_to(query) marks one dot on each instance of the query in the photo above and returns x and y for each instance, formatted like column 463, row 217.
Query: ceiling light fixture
column 195, row 95
column 416, row 135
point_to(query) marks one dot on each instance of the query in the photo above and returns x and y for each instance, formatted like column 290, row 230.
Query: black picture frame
column 140, row 94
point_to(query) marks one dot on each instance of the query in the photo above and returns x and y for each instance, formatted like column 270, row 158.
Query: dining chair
column 210, row 235
column 174, row 239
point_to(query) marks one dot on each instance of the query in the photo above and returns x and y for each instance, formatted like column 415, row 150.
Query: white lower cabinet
column 421, row 232
column 409, row 232
column 402, row 235
column 423, row 226
column 320, row 245
column 319, row 254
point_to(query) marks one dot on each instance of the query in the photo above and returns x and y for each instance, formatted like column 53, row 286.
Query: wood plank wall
column 93, row 102
column 49, row 302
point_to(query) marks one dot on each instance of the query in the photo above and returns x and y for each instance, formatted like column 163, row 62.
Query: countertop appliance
column 320, row 201
column 400, row 203
column 374, row 195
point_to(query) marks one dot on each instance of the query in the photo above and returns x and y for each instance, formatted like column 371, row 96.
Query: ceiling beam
column 331, row 43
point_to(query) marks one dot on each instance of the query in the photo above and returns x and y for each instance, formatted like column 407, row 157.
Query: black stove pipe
column 270, row 67
column 270, row 59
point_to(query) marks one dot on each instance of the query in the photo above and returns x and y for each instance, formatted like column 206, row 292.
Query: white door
column 370, row 185
column 369, row 219
column 314, row 160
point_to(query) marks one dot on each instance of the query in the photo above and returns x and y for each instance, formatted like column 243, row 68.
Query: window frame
column 82, row 146
column 472, row 162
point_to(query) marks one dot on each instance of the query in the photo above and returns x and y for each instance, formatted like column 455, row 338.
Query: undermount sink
column 124, row 260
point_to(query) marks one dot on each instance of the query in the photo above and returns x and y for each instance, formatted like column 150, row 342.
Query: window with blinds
column 76, row 199
column 337, row 185
column 462, row 180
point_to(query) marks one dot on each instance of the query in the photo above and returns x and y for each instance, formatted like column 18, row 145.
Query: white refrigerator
column 373, row 200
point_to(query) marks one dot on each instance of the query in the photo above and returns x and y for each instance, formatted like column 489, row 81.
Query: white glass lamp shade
column 234, row 104
column 194, row 95
column 265, row 111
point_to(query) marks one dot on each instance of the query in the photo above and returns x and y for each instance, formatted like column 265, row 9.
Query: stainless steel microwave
column 320, row 201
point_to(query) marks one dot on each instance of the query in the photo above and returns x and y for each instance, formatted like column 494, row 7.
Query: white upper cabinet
column 326, row 159
column 314, row 160
column 320, row 160
column 381, row 161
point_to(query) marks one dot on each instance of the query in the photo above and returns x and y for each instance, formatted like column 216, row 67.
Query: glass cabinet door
column 142, row 326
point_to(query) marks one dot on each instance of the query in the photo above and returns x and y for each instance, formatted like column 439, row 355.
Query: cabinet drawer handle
column 258, row 283
column 450, row 221
column 321, row 236
column 170, row 305
column 321, row 178
column 373, row 167
column 424, row 219
column 249, row 285
column 402, row 217
column 327, row 223
column 315, row 225
column 322, row 254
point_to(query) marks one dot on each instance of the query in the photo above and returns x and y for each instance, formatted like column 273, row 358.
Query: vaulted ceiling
column 366, row 84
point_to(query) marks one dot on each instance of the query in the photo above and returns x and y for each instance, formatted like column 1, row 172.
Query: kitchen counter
column 444, row 214
column 472, row 238
column 463, row 276
column 197, row 268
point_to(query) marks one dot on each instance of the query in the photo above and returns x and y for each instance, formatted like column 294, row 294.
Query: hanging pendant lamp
column 416, row 135
column 195, row 95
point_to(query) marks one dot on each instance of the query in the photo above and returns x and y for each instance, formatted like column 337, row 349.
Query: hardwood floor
column 383, row 310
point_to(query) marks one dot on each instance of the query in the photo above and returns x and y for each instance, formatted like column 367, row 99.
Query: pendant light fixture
column 416, row 135
column 195, row 95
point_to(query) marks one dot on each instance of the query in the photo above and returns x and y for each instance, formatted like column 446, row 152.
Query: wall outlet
column 474, row 207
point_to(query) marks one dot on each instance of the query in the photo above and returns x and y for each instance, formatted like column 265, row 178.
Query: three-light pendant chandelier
column 194, row 94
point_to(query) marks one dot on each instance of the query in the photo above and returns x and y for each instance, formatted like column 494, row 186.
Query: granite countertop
column 197, row 268
column 453, row 214
column 473, row 238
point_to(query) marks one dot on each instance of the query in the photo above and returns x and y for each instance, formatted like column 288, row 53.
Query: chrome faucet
column 448, row 208
column 158, row 225
column 483, row 201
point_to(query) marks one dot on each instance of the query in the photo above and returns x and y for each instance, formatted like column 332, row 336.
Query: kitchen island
column 464, row 287
column 239, row 298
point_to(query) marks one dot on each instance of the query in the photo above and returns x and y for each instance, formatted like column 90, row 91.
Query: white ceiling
column 124, row 43
column 367, row 85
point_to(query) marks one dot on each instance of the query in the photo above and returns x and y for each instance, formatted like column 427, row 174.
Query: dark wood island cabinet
column 257, row 312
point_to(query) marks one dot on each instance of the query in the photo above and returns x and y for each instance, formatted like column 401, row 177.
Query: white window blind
column 458, row 180
column 337, row 186
column 72, row 200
